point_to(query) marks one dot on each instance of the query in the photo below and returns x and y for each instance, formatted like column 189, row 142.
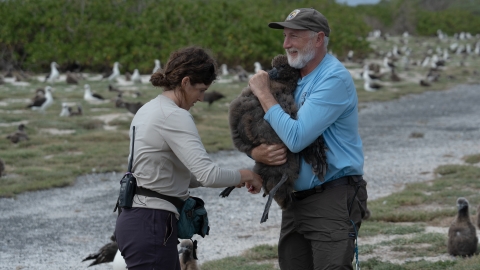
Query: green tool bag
column 193, row 219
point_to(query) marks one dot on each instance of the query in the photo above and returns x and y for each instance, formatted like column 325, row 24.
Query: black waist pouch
column 128, row 185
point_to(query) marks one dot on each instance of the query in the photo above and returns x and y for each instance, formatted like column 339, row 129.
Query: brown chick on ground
column 19, row 135
column 105, row 254
column 187, row 251
column 462, row 235
column 211, row 97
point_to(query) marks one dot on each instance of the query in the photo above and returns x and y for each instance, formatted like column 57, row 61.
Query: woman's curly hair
column 193, row 62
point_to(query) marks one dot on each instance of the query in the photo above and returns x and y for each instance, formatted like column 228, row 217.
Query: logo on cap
column 292, row 14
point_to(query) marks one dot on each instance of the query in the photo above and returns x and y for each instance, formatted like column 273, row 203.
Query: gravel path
column 55, row 229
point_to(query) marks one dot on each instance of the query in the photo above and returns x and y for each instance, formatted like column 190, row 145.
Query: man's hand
column 259, row 83
column 260, row 86
column 270, row 154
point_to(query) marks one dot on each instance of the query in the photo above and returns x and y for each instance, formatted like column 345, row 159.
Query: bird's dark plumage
column 133, row 107
column 19, row 135
column 113, row 89
column 105, row 254
column 75, row 113
column 187, row 258
column 394, row 77
column 249, row 129
column 424, row 83
column 119, row 103
column 462, row 235
column 71, row 78
column 211, row 97
column 2, row 167
column 478, row 216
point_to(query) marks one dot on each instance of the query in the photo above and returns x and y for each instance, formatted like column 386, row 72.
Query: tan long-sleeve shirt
column 169, row 156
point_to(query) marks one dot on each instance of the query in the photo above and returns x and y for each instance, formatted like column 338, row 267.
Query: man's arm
column 260, row 85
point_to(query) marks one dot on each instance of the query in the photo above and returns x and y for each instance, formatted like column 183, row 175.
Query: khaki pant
column 317, row 232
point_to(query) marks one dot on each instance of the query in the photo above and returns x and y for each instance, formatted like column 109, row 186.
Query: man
column 319, row 229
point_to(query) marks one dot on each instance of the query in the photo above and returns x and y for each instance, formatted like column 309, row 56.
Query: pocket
column 169, row 223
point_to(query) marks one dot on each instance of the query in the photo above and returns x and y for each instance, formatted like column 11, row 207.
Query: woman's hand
column 252, row 181
column 270, row 154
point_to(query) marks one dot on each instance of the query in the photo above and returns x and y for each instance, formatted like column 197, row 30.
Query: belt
column 150, row 193
column 346, row 180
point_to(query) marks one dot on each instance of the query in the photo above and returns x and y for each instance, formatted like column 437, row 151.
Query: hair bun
column 158, row 78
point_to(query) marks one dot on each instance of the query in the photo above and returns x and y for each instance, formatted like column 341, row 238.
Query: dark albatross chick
column 187, row 255
column 462, row 235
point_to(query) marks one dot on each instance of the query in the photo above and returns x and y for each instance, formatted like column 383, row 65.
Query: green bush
column 94, row 34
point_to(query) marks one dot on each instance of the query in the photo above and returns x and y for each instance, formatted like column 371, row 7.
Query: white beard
column 303, row 56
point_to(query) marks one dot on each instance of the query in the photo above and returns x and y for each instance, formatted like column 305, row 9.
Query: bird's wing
column 38, row 102
column 105, row 254
column 97, row 96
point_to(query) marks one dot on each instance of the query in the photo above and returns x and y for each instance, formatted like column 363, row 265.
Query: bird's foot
column 271, row 194
column 226, row 192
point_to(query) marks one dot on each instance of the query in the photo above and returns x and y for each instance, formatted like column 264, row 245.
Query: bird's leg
column 226, row 192
column 271, row 194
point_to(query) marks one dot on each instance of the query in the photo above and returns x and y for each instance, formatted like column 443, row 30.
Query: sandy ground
column 55, row 229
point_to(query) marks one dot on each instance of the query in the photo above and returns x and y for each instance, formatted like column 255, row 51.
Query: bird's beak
column 182, row 249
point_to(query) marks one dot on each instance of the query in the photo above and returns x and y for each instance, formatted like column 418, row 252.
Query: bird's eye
column 282, row 66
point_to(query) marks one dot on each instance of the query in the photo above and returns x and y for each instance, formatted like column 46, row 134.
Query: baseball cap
column 304, row 19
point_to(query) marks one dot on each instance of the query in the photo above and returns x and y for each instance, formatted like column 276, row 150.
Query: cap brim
column 282, row 25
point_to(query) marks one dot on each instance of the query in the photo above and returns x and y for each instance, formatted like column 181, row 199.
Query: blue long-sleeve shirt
column 327, row 102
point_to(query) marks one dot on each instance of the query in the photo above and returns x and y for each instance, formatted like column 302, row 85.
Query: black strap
column 150, row 193
column 129, row 170
column 194, row 249
column 130, row 162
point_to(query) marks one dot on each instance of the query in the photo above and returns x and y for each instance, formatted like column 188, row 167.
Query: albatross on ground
column 114, row 74
column 71, row 79
column 2, row 167
column 369, row 84
column 89, row 96
column 211, row 97
column 67, row 110
column 54, row 74
column 187, row 251
column 462, row 235
column 136, row 78
column 19, row 135
column 257, row 66
column 157, row 66
column 40, row 102
column 105, row 254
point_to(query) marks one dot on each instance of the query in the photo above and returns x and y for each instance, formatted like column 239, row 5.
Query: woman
column 168, row 158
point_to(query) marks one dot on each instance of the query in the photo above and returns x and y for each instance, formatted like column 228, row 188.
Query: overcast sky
column 357, row 2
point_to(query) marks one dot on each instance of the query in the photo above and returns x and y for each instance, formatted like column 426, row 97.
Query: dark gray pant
column 317, row 232
column 147, row 239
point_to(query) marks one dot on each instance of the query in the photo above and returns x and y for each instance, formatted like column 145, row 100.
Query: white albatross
column 54, row 74
column 114, row 74
column 136, row 78
column 42, row 103
column 89, row 96
column 157, row 66
column 258, row 66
